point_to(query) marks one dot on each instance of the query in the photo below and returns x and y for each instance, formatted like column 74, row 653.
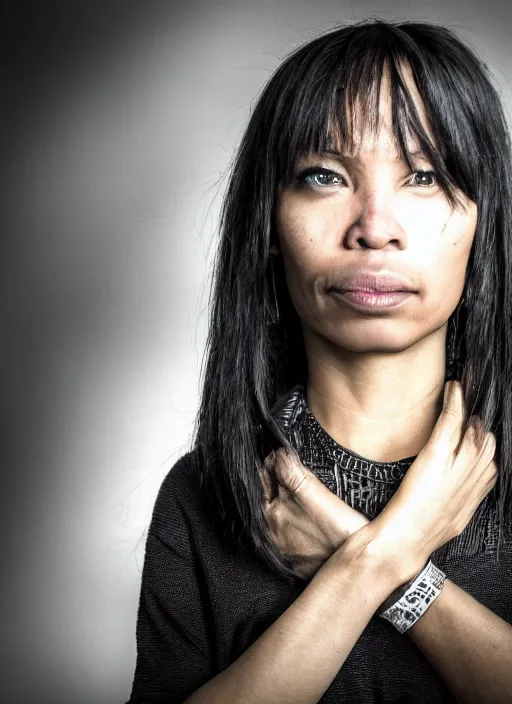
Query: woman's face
column 368, row 213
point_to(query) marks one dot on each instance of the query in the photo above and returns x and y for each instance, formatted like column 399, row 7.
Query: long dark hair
column 254, row 359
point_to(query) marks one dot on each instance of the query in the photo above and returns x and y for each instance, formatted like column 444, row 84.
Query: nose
column 375, row 225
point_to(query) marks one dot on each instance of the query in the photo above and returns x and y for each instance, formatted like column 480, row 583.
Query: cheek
column 300, row 228
column 452, row 255
column 301, row 239
column 444, row 282
column 428, row 225
column 441, row 240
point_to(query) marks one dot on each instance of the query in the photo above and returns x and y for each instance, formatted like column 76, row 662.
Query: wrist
column 391, row 556
column 366, row 557
column 396, row 595
column 417, row 599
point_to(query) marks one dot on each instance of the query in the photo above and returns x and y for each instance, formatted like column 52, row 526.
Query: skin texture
column 433, row 504
column 376, row 379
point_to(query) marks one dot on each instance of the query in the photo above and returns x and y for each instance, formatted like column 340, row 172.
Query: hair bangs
column 334, row 101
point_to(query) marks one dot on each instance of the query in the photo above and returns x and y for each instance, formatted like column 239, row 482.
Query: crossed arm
column 469, row 645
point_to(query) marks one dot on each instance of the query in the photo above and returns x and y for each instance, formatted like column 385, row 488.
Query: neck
column 383, row 407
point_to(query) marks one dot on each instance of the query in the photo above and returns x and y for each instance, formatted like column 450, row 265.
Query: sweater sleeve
column 171, row 633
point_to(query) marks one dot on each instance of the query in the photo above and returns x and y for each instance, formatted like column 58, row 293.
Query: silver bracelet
column 423, row 590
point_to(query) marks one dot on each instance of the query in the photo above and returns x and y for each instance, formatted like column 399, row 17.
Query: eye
column 319, row 177
column 423, row 175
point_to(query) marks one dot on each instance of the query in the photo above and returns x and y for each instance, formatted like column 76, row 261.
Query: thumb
column 453, row 400
column 452, row 413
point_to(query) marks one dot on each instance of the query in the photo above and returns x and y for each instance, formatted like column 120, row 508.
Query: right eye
column 319, row 177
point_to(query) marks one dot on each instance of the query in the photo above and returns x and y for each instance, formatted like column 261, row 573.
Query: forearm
column 469, row 645
column 295, row 660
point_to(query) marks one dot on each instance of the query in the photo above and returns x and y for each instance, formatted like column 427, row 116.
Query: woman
column 363, row 272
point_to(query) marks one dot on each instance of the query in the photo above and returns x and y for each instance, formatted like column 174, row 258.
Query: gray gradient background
column 122, row 121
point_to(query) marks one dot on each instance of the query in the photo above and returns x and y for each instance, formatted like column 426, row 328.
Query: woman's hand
column 440, row 492
column 307, row 521
column 435, row 501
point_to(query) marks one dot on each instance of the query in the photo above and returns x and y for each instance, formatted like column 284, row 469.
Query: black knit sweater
column 201, row 607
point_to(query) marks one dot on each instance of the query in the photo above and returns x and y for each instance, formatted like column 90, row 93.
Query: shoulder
column 177, row 509
column 184, row 474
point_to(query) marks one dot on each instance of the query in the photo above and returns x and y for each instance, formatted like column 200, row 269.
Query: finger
column 266, row 484
column 270, row 460
column 453, row 393
column 475, row 435
column 489, row 486
column 268, row 478
column 452, row 413
column 488, row 480
column 317, row 500
column 485, row 442
column 490, row 443
column 453, row 402
column 492, row 470
column 481, row 434
column 290, row 471
column 487, row 449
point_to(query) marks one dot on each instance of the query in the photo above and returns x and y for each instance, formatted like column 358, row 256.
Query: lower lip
column 373, row 299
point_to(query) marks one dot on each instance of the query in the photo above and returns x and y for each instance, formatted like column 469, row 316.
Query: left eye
column 423, row 174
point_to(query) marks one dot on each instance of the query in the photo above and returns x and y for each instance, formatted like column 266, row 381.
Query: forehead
column 383, row 144
column 372, row 129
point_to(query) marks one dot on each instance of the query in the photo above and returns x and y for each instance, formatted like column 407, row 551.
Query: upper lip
column 373, row 281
